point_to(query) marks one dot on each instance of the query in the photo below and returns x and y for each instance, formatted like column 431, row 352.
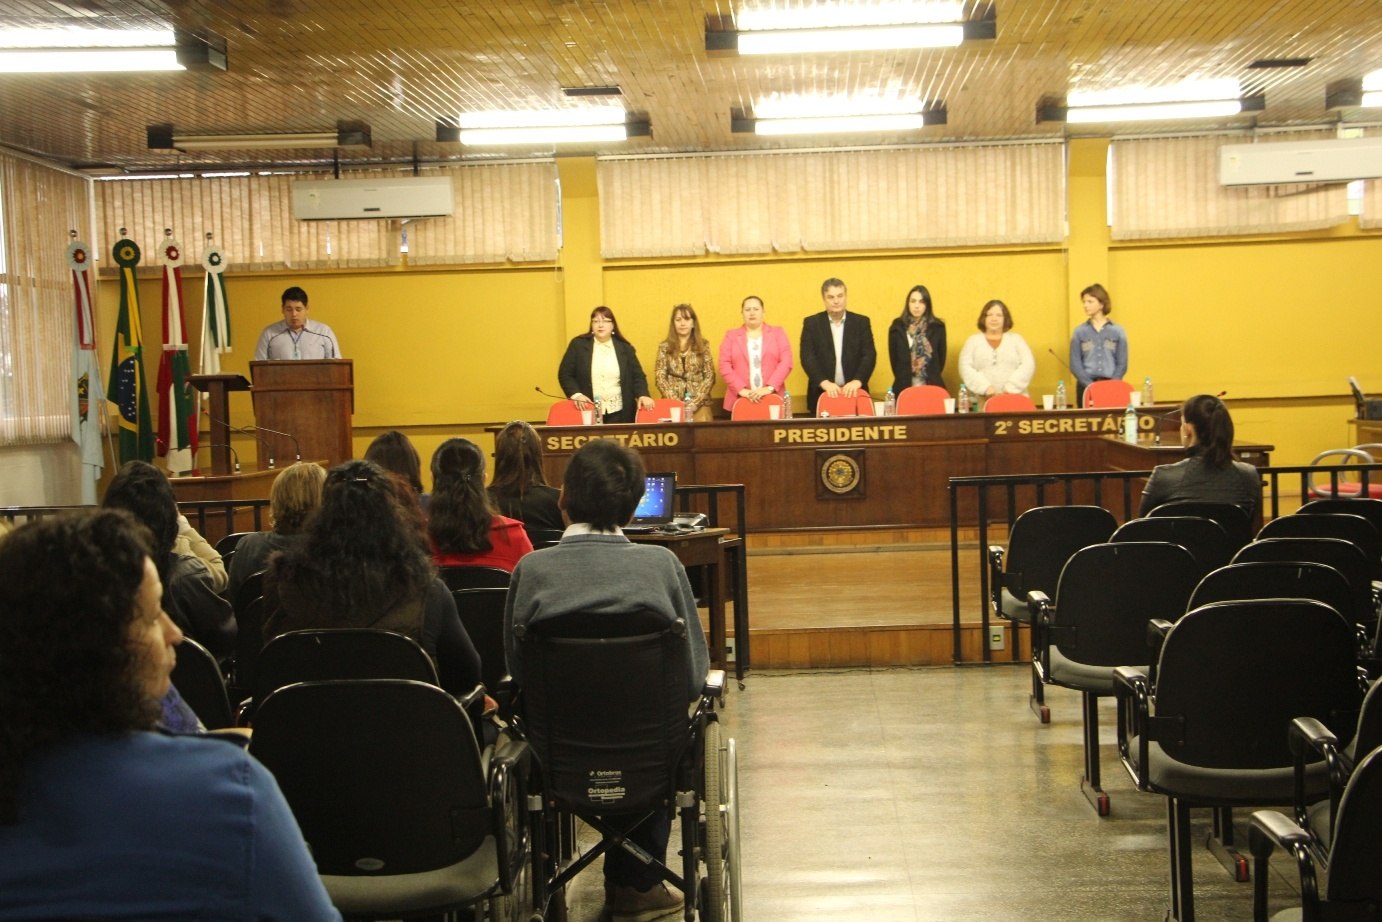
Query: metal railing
column 1016, row 493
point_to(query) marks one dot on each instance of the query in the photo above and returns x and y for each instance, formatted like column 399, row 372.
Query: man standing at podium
column 296, row 337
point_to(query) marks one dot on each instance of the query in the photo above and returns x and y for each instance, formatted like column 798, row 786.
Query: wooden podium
column 218, row 388
column 302, row 409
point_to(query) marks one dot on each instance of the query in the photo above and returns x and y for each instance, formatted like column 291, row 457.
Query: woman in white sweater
column 996, row 360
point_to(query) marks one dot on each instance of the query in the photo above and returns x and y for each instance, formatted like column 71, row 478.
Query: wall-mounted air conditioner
column 1300, row 161
column 392, row 197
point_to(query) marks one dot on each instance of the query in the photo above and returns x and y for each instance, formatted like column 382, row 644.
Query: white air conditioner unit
column 391, row 197
column 1300, row 161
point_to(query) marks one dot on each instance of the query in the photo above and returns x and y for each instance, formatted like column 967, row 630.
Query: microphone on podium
column 297, row 448
column 1059, row 360
column 578, row 404
column 230, row 448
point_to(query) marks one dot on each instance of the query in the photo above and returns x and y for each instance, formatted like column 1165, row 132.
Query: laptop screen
column 655, row 508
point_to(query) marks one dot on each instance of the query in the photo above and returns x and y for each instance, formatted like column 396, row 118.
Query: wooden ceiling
column 296, row 65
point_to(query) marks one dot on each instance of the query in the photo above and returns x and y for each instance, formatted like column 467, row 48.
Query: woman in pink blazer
column 755, row 358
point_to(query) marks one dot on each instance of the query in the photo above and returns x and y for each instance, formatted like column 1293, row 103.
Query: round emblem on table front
column 840, row 473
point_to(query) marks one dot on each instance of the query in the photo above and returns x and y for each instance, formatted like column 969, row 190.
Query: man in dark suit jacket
column 824, row 374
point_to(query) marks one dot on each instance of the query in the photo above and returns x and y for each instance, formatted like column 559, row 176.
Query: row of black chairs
column 1272, row 637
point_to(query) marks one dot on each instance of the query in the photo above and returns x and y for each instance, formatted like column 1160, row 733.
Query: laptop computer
column 655, row 508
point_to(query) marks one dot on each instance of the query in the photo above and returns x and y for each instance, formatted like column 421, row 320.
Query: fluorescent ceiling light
column 543, row 118
column 866, row 38
column 839, row 124
column 807, row 105
column 1372, row 100
column 347, row 134
column 824, row 16
column 1153, row 112
column 1187, row 91
column 545, row 134
column 1372, row 81
column 74, row 50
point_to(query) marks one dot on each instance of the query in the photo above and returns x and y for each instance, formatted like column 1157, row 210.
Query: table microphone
column 297, row 448
column 1059, row 360
column 557, row 397
column 233, row 452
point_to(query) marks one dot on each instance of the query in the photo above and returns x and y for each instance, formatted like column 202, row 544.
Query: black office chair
column 198, row 679
column 1041, row 541
column 1351, row 889
column 1212, row 731
column 1310, row 741
column 1370, row 509
column 603, row 703
column 1342, row 556
column 401, row 815
column 1274, row 580
column 1354, row 529
column 1233, row 519
column 336, row 653
column 1205, row 539
column 248, row 606
column 226, row 544
column 468, row 577
column 1107, row 595
column 543, row 537
column 482, row 616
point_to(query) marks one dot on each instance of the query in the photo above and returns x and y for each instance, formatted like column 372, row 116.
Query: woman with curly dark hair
column 464, row 526
column 519, row 489
column 361, row 564
column 94, row 807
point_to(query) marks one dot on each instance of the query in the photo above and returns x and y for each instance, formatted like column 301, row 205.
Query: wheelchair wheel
column 732, row 839
column 715, row 897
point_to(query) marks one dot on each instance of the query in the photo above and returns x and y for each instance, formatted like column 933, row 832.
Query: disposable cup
column 1048, row 401
column 1136, row 398
column 950, row 404
column 774, row 411
column 676, row 414
column 587, row 417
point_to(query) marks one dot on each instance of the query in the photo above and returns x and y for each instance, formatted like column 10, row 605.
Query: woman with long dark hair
column 464, row 526
column 519, row 489
column 1209, row 474
column 100, row 817
column 916, row 343
column 602, row 365
column 362, row 564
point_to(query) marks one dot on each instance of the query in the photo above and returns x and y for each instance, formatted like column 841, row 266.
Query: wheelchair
column 603, row 705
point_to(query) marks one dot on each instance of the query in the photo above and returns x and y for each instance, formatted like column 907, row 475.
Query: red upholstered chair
column 1350, row 486
column 1108, row 394
column 1009, row 403
column 565, row 413
column 859, row 405
column 660, row 412
column 922, row 400
column 747, row 409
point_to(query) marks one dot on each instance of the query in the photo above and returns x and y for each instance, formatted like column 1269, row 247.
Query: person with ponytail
column 463, row 524
column 1209, row 474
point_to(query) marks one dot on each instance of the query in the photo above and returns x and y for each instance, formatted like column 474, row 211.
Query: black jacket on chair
column 818, row 353
column 574, row 373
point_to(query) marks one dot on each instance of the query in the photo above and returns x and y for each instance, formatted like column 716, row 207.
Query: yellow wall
column 1279, row 323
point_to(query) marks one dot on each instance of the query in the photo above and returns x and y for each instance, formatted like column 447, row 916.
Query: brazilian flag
column 126, row 388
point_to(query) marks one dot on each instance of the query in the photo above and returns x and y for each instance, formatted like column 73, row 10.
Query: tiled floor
column 933, row 794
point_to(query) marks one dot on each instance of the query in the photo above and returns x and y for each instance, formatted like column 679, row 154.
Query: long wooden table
column 866, row 471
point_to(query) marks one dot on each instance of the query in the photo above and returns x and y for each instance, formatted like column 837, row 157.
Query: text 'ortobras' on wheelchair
column 603, row 704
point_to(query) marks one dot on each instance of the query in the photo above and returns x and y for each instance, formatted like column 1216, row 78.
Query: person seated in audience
column 101, row 818
column 1209, row 474
column 597, row 570
column 464, row 527
column 916, row 343
column 996, row 360
column 519, row 489
column 755, row 358
column 684, row 367
column 602, row 365
column 394, row 452
column 189, row 591
column 295, row 495
column 362, row 564
column 190, row 541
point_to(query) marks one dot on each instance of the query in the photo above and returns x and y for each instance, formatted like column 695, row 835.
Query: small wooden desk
column 700, row 549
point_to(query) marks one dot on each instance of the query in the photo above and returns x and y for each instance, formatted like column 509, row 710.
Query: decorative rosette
column 172, row 252
column 213, row 260
column 126, row 253
column 78, row 256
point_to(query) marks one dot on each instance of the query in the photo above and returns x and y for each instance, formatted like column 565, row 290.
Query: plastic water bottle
column 890, row 404
column 686, row 409
column 598, row 417
column 1147, row 391
column 1060, row 394
column 1130, row 425
column 786, row 404
column 962, row 402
